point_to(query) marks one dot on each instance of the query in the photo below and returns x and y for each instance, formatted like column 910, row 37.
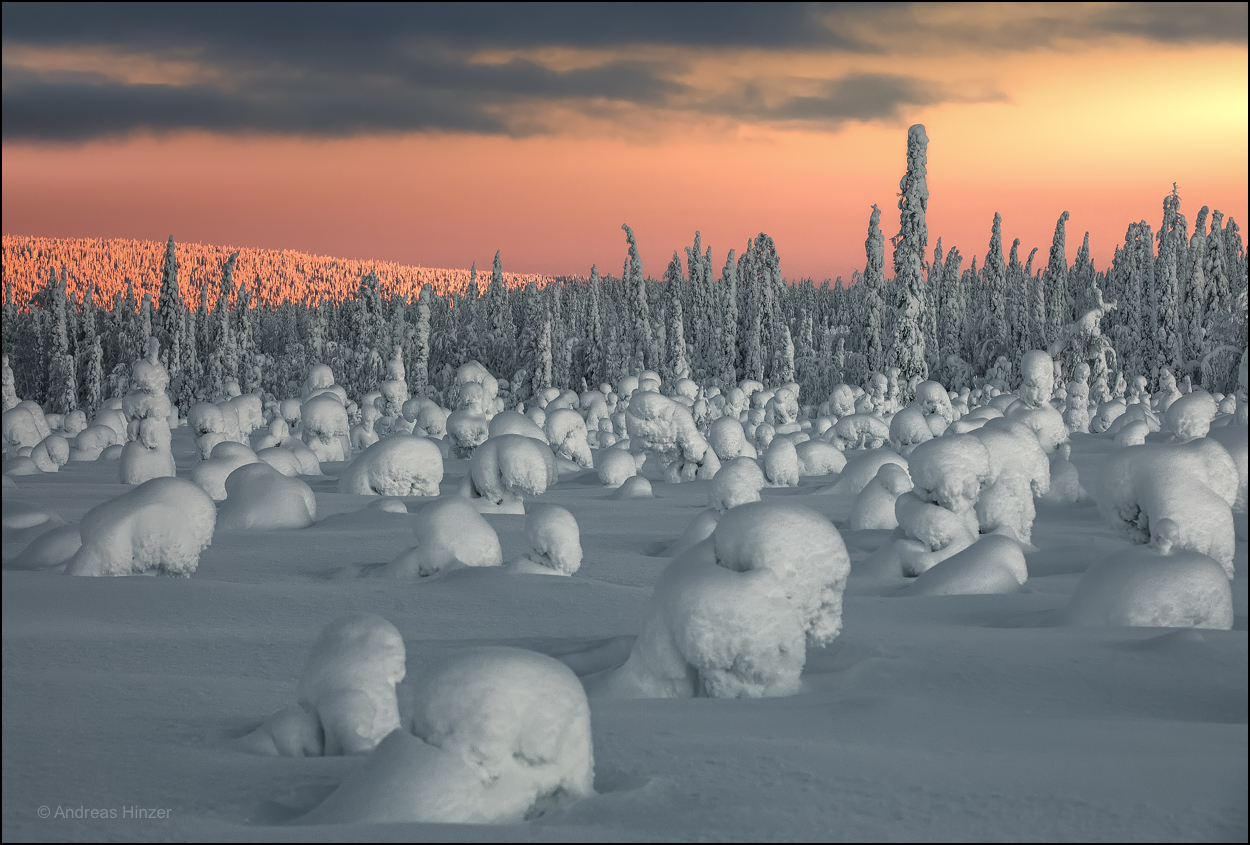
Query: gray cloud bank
column 341, row 70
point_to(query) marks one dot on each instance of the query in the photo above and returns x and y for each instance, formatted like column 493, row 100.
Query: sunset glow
column 1076, row 125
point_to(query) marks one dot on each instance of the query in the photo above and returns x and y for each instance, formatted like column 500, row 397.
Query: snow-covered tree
column 639, row 320
column 1056, row 282
column 907, row 351
column 872, row 305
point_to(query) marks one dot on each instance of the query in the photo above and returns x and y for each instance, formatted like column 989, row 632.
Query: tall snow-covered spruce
column 907, row 350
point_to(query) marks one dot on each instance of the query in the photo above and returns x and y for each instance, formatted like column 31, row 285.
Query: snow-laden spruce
column 733, row 616
column 507, row 469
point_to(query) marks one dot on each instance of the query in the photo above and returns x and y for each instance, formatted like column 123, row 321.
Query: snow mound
column 566, row 432
column 615, row 466
column 1154, row 587
column 781, row 464
column 859, row 431
column 861, row 468
column 450, row 533
column 634, row 487
column 993, row 564
column 1021, row 471
column 1191, row 484
column 349, row 682
column 908, row 429
column 259, row 498
column 554, row 540
column 91, row 441
column 733, row 616
column 282, row 459
column 1233, row 438
column 325, row 427
column 468, row 429
column 400, row 465
column 951, row 471
column 149, row 455
column 657, row 424
column 510, row 422
column 1189, row 417
column 50, row 550
column 509, row 467
column 159, row 528
column 874, row 506
column 816, row 457
column 503, row 734
column 51, row 453
column 227, row 456
column 738, row 483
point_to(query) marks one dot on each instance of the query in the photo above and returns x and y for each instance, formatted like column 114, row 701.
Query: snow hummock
column 1155, row 586
column 226, row 457
column 507, row 468
column 159, row 528
column 502, row 735
column 993, row 564
column 732, row 616
column 555, row 546
column 398, row 465
column 615, row 466
column 450, row 533
column 874, row 506
column 738, row 483
column 260, row 498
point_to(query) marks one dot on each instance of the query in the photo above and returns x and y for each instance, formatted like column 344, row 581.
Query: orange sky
column 1100, row 130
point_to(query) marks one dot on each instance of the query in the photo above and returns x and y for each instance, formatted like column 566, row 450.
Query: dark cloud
column 341, row 69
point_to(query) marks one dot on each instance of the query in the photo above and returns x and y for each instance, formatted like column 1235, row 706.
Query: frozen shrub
column 1108, row 413
column 74, row 422
column 51, row 453
column 226, row 457
column 658, row 424
column 816, row 457
column 349, row 682
column 1192, row 485
column 566, row 432
column 1157, row 586
column 450, row 534
column 148, row 456
column 259, row 498
column 207, row 425
column 555, row 545
column 1037, row 370
column 992, row 565
column 1046, row 423
column 874, row 506
column 732, row 617
column 738, row 483
column 932, row 398
column 503, row 733
column 159, row 527
column 507, row 468
column 1233, row 438
column 841, row 401
column 781, row 464
column 615, row 466
column 400, row 465
column 325, row 427
column 483, row 397
column 1132, row 434
column 247, row 407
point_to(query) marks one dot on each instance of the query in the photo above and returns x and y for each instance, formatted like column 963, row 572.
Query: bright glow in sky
column 744, row 139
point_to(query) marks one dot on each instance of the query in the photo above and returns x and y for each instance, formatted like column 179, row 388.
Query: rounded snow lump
column 554, row 539
column 259, row 498
column 993, row 564
column 399, row 465
column 1145, row 588
column 512, row 466
column 349, row 682
column 159, row 527
column 501, row 735
column 450, row 533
